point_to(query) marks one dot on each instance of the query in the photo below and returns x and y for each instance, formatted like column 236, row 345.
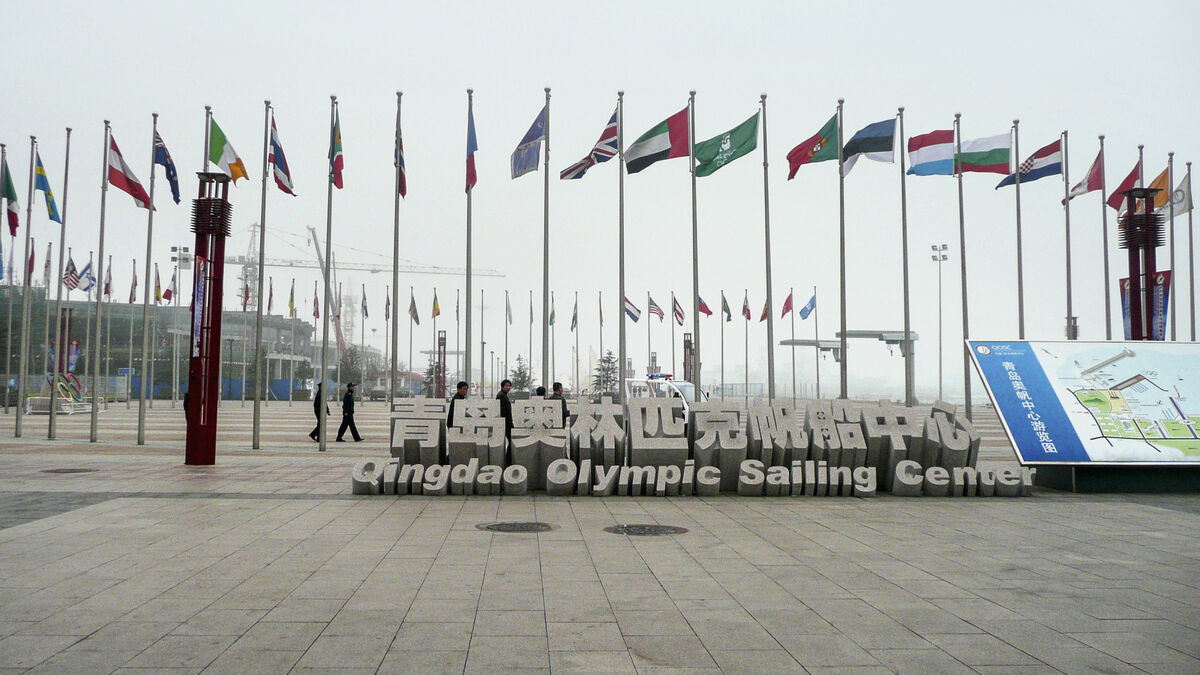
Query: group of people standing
column 506, row 403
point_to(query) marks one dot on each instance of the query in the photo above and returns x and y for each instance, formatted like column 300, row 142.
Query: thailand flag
column 632, row 311
column 278, row 162
column 931, row 154
column 677, row 310
column 653, row 308
column 1044, row 162
column 472, row 146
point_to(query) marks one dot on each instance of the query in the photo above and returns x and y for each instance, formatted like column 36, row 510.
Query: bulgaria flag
column 821, row 147
column 8, row 192
column 221, row 153
column 121, row 176
column 667, row 140
column 986, row 155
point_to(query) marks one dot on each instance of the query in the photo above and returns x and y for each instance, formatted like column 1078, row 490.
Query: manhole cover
column 517, row 527
column 646, row 530
column 68, row 470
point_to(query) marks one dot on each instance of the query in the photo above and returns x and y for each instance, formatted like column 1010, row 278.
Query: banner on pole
column 1160, row 295
column 201, row 296
column 1074, row 402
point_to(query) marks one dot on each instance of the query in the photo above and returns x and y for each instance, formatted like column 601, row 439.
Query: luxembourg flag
column 632, row 311
column 1044, row 162
column 931, row 154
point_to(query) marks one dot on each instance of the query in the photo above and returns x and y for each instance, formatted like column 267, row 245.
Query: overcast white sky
column 1087, row 67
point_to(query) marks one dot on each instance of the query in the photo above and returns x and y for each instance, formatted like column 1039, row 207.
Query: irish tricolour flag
column 221, row 153
column 667, row 140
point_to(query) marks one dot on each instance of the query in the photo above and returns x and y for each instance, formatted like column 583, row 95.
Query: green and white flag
column 720, row 150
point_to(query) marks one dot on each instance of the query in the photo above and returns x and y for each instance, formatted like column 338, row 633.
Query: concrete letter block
column 462, row 477
column 560, row 477
column 864, row 481
column 667, row 483
column 750, row 478
column 437, row 479
column 777, row 483
column 606, row 480
column 366, row 478
column 908, row 480
column 488, row 480
column 515, row 480
column 1008, row 482
column 937, row 482
column 708, row 481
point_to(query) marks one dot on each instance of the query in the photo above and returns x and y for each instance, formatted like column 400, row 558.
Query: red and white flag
column 108, row 279
column 787, row 306
column 746, row 307
column 677, row 310
column 1091, row 182
column 1116, row 200
column 121, row 176
column 133, row 286
column 170, row 292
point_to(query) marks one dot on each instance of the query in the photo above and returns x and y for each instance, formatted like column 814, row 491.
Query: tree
column 604, row 380
column 352, row 365
column 430, row 389
column 521, row 379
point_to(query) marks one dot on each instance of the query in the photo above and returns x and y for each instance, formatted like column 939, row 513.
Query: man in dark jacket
column 318, row 399
column 558, row 396
column 506, row 407
column 348, row 416
column 459, row 395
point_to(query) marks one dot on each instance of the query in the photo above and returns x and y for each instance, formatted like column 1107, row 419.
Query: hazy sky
column 1089, row 67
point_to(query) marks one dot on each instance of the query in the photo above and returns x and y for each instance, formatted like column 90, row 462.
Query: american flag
column 653, row 308
column 71, row 275
column 677, row 310
column 605, row 149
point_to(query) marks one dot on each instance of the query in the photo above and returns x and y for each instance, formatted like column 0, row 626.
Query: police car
column 662, row 386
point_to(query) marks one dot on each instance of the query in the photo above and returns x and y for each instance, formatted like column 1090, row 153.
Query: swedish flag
column 43, row 183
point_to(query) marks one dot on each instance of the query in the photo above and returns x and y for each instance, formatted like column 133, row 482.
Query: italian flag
column 8, row 192
column 667, row 140
column 985, row 155
column 221, row 153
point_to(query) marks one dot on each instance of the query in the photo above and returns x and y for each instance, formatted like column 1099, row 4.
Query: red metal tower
column 211, row 214
column 1142, row 232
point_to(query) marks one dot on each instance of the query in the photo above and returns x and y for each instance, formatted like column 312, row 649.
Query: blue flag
column 809, row 307
column 161, row 156
column 525, row 157
column 43, row 183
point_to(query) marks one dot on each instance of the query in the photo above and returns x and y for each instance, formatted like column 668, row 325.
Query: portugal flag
column 820, row 147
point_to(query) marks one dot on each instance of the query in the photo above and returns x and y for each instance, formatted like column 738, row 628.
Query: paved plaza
column 118, row 558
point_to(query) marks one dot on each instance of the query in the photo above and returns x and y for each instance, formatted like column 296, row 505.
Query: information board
column 1076, row 402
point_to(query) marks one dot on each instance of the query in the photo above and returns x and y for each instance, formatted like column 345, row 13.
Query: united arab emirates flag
column 667, row 140
column 720, row 150
column 821, row 147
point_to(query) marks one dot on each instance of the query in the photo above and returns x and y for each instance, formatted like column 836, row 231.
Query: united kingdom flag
column 605, row 149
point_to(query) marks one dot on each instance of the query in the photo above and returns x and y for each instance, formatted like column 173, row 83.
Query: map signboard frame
column 1100, row 403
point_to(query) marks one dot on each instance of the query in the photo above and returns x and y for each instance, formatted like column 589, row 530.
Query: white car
column 664, row 388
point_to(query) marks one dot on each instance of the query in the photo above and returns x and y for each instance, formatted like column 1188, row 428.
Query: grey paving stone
column 584, row 636
column 652, row 622
column 182, row 651
column 515, row 622
column 583, row 661
column 826, row 650
column 981, row 650
column 26, row 651
column 220, row 622
column 424, row 662
column 675, row 651
column 346, row 652
column 757, row 661
column 508, row 653
column 254, row 661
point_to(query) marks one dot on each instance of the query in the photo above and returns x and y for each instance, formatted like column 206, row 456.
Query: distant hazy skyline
column 1084, row 67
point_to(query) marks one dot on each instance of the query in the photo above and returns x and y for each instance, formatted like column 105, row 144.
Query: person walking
column 558, row 396
column 348, row 416
column 318, row 400
column 459, row 395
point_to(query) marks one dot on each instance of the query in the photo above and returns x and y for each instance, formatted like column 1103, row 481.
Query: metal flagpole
column 694, row 376
column 790, row 295
column 8, row 299
column 58, row 346
column 770, row 293
column 531, row 339
column 174, row 335
column 546, row 379
column 245, row 348
column 141, row 428
column 457, row 338
column 842, row 241
column 395, row 322
column 910, row 398
column 362, row 334
column 722, row 315
column 409, row 369
column 746, row 362
column 1104, row 223
column 262, row 242
column 817, row 340
column 321, row 413
column 1171, row 206
column 93, row 435
column 1071, row 327
column 108, row 329
column 433, row 385
column 46, row 306
column 600, row 297
column 129, row 375
column 648, row 333
column 574, row 316
column 962, row 250
column 340, row 327
column 482, row 345
column 673, row 369
column 467, row 343
column 1016, row 132
column 553, row 348
column 153, row 356
column 88, row 372
column 1191, row 251
column 621, row 246
column 292, row 360
column 22, row 360
column 507, row 321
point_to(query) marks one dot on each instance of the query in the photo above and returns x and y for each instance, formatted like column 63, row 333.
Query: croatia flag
column 472, row 145
column 1044, row 162
column 931, row 154
column 632, row 311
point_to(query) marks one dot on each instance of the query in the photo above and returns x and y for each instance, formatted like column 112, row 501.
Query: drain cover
column 517, row 527
column 646, row 530
column 68, row 470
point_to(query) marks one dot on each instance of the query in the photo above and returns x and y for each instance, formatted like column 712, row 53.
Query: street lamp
column 939, row 256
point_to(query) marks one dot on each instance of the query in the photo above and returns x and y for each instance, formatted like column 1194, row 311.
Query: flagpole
column 1072, row 331
column 93, row 435
column 842, row 242
column 1171, row 206
column 482, row 345
column 58, row 346
column 1191, row 250
column 746, row 361
column 129, row 375
column 412, row 300
column 546, row 380
column 553, row 349
column 292, row 360
column 621, row 374
column 695, row 374
column 22, row 360
column 574, row 320
column 817, row 341
column 340, row 335
column 673, row 370
column 770, row 294
column 262, row 242
column 322, row 422
column 1104, row 223
column 962, row 249
column 648, row 334
column 362, row 334
column 790, row 295
column 722, row 345
column 141, row 427
column 600, row 306
column 910, row 397
column 395, row 302
column 46, row 302
column 507, row 321
column 174, row 333
column 457, row 338
column 433, row 385
column 467, row 343
column 1020, row 249
column 531, row 340
column 8, row 296
column 1144, row 293
column 108, row 328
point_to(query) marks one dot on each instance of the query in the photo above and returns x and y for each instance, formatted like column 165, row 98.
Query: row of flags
column 632, row 311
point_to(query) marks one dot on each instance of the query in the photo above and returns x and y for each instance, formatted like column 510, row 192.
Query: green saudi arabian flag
column 722, row 149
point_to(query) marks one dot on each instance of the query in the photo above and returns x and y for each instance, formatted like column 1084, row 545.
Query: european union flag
column 525, row 157
column 161, row 156
column 43, row 183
